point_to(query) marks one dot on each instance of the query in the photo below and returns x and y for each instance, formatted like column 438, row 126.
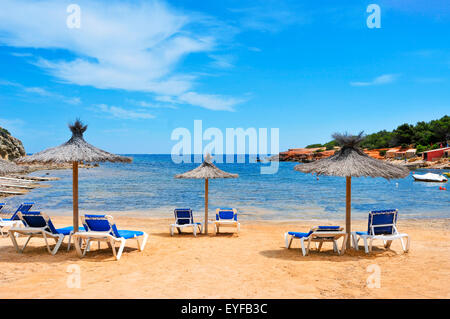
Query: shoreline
column 255, row 265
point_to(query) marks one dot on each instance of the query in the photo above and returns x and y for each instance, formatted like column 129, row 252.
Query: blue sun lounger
column 102, row 228
column 318, row 234
column 38, row 224
column 183, row 219
column 14, row 220
column 226, row 217
column 383, row 226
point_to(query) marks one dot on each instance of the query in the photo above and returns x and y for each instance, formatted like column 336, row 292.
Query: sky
column 134, row 71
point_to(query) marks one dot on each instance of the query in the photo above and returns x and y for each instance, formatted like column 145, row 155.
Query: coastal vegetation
column 423, row 136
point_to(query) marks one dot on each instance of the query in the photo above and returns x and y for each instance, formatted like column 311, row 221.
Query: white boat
column 430, row 177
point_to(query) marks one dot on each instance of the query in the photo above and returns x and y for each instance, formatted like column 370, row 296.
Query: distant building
column 399, row 153
column 436, row 154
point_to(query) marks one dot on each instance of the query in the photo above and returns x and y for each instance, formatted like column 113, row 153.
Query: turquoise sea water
column 148, row 187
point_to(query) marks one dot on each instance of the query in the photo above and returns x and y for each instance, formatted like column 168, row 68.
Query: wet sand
column 254, row 264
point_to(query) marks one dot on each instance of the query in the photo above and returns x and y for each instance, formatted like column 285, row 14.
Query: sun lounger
column 318, row 234
column 14, row 220
column 183, row 219
column 226, row 217
column 102, row 228
column 37, row 224
column 383, row 226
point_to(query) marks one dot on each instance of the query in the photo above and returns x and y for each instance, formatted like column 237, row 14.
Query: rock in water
column 10, row 147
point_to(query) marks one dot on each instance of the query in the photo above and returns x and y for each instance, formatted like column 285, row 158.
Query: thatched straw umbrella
column 206, row 171
column 74, row 151
column 350, row 162
column 7, row 167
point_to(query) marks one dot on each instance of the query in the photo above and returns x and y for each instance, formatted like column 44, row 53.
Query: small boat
column 430, row 177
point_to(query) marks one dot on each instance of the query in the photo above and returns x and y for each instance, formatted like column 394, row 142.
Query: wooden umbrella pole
column 206, row 206
column 75, row 196
column 348, row 209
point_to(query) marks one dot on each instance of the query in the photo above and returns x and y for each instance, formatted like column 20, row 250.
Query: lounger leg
column 302, row 242
column 179, row 230
column 335, row 249
column 370, row 244
column 58, row 244
column 14, row 241
column 309, row 246
column 144, row 241
column 388, row 243
column 171, row 230
column 320, row 246
column 287, row 242
column 366, row 248
column 70, row 239
column 407, row 243
column 122, row 246
column 194, row 230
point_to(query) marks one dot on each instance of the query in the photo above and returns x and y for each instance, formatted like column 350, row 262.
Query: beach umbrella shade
column 75, row 151
column 207, row 170
column 7, row 167
column 350, row 161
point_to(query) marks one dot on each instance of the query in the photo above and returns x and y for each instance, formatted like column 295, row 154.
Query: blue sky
column 136, row 70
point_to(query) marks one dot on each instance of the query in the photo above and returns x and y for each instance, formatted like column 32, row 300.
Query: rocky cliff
column 10, row 147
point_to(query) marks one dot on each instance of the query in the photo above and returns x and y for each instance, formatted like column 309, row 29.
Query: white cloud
column 146, row 104
column 121, row 45
column 121, row 113
column 382, row 79
column 270, row 16
column 211, row 102
column 41, row 92
column 222, row 61
column 21, row 55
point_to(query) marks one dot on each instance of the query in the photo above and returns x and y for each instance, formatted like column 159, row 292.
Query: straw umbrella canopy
column 74, row 151
column 207, row 170
column 7, row 167
column 350, row 161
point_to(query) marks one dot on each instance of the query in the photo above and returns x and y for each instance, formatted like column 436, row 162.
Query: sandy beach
column 254, row 264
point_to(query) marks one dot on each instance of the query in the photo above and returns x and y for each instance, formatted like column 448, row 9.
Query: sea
column 147, row 187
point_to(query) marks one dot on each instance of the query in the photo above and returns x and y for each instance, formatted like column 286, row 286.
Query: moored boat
column 430, row 177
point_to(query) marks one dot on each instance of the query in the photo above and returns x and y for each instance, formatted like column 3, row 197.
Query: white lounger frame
column 180, row 227
column 387, row 239
column 226, row 223
column 319, row 237
column 35, row 232
column 105, row 236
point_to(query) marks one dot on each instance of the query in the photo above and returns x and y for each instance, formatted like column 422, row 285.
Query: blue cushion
column 298, row 234
column 362, row 233
column 66, row 230
column 130, row 233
